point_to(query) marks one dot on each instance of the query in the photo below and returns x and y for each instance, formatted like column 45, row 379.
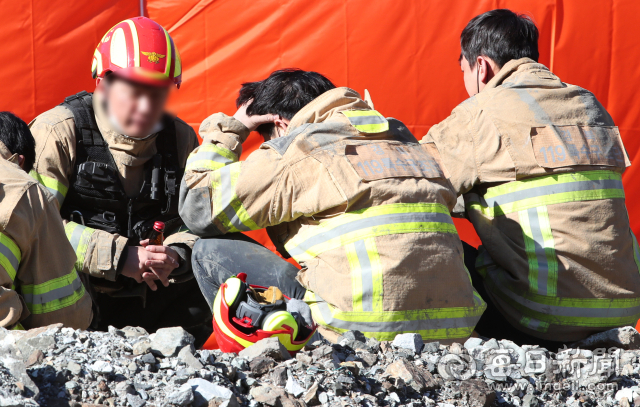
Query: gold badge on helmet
column 153, row 56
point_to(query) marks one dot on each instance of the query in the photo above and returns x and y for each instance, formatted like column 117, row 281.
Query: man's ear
column 21, row 161
column 486, row 70
column 282, row 124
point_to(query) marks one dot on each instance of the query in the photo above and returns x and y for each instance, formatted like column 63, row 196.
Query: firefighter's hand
column 136, row 266
column 252, row 122
column 162, row 262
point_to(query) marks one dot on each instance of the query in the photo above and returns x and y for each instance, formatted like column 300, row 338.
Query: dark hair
column 501, row 35
column 284, row 92
column 15, row 134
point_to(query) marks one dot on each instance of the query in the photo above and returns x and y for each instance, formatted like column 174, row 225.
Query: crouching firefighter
column 114, row 160
column 346, row 192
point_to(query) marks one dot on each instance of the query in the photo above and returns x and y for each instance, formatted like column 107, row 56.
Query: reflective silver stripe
column 366, row 275
column 533, row 324
column 396, row 326
column 209, row 155
column 561, row 311
column 76, row 235
column 55, row 294
column 364, row 223
column 228, row 193
column 57, row 194
column 359, row 120
column 550, row 190
column 4, row 250
column 541, row 256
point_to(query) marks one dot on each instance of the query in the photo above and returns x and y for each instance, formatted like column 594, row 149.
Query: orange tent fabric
column 404, row 51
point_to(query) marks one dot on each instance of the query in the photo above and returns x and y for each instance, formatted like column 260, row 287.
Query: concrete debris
column 56, row 366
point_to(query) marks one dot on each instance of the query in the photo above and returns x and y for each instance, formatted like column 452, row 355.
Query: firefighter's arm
column 455, row 142
column 11, row 304
column 46, row 277
column 99, row 253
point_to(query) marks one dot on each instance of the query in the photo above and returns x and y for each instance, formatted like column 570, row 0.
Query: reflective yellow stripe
column 167, row 69
column 370, row 222
column 57, row 188
column 227, row 208
column 551, row 189
column 54, row 294
column 79, row 236
column 431, row 324
column 136, row 42
column 217, row 305
column 584, row 312
column 367, row 121
column 10, row 256
column 18, row 327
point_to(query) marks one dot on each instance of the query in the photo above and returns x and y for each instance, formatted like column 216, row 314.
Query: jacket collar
column 509, row 69
column 326, row 105
column 7, row 155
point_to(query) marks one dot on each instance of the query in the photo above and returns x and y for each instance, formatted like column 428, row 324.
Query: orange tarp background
column 404, row 51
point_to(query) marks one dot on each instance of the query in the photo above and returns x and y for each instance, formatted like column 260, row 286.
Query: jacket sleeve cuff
column 225, row 130
column 184, row 252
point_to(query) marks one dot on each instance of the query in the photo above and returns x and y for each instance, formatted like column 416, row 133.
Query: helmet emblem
column 153, row 56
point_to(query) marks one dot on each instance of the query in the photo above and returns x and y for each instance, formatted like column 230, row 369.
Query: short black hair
column 284, row 92
column 501, row 35
column 16, row 136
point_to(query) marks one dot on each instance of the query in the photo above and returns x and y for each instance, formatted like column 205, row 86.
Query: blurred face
column 136, row 108
column 470, row 76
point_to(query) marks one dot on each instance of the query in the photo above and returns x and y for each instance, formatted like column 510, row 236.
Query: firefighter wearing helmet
column 114, row 160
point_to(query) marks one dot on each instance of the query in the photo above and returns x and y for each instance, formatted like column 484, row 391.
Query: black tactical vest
column 96, row 197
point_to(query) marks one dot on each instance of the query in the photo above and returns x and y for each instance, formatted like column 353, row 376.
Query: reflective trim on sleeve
column 227, row 207
column 367, row 121
column 57, row 188
column 79, row 237
column 550, row 189
column 54, row 294
column 210, row 157
column 10, row 255
column 431, row 324
column 370, row 222
column 584, row 312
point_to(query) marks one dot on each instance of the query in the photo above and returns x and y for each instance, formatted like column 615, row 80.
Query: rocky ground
column 56, row 366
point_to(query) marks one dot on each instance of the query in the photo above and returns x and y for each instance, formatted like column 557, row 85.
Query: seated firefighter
column 350, row 195
column 539, row 163
column 113, row 159
column 38, row 282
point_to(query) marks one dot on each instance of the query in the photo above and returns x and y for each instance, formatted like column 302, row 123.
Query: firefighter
column 349, row 194
column 113, row 160
column 539, row 164
column 39, row 285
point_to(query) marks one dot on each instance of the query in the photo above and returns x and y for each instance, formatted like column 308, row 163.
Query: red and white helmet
column 141, row 50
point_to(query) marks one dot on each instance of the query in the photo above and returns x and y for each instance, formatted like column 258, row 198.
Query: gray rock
column 478, row 392
column 135, row 401
column 411, row 341
column 293, row 387
column 268, row 395
column 74, row 368
column 134, row 332
column 472, row 343
column 311, row 396
column 182, row 397
column 529, row 400
column 279, row 376
column 141, row 347
column 624, row 338
column 168, row 341
column 323, row 398
column 205, row 391
column 269, row 347
column 419, row 379
column 71, row 385
column 148, row 359
column 100, row 366
column 189, row 359
column 240, row 364
column 260, row 365
column 431, row 347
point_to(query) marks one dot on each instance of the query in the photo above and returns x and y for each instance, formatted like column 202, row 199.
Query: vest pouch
column 94, row 179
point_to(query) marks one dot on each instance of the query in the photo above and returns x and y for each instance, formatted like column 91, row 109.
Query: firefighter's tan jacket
column 55, row 135
column 357, row 202
column 539, row 163
column 38, row 283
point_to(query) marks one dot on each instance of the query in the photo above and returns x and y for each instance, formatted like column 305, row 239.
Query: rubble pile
column 55, row 366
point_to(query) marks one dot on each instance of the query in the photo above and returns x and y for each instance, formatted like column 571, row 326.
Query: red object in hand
column 157, row 235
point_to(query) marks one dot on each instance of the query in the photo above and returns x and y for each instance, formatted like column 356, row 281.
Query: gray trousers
column 214, row 260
